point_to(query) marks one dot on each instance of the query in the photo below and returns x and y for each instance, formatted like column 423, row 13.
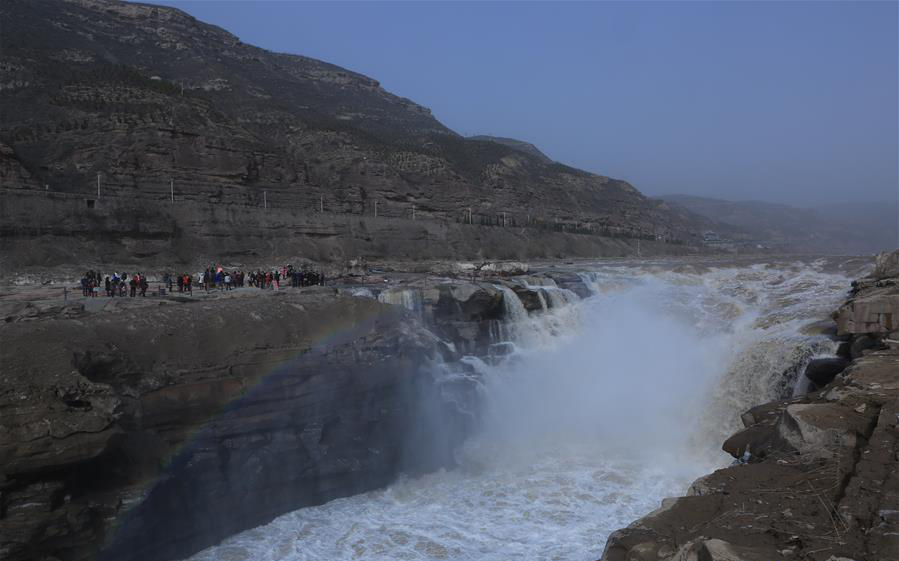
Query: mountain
column 847, row 228
column 160, row 137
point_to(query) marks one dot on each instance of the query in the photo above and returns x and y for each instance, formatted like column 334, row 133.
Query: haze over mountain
column 848, row 228
column 789, row 102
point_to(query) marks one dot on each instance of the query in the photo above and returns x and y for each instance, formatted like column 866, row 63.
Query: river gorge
column 500, row 413
column 589, row 411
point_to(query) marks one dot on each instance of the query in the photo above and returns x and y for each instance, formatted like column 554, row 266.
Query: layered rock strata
column 153, row 129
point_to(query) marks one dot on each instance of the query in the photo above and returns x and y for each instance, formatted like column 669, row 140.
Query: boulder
column 822, row 371
column 874, row 311
column 862, row 343
column 820, row 429
column 886, row 265
column 824, row 327
column 758, row 439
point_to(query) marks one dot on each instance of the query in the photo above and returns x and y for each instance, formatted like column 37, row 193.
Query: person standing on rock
column 144, row 285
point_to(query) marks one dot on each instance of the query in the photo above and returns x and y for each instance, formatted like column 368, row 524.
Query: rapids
column 604, row 406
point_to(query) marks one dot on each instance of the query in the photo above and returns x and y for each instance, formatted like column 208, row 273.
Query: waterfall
column 591, row 281
column 513, row 309
column 542, row 300
column 587, row 414
column 558, row 297
column 409, row 298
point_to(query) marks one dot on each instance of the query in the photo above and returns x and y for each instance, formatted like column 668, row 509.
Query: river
column 604, row 406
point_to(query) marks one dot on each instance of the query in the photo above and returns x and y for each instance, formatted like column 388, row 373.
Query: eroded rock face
column 876, row 311
column 886, row 266
column 874, row 307
column 151, row 433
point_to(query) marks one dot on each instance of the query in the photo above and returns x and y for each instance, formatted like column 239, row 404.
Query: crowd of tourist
column 119, row 284
column 213, row 278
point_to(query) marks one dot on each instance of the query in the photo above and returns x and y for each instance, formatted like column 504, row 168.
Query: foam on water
column 595, row 412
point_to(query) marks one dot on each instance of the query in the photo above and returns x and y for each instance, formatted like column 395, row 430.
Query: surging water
column 606, row 406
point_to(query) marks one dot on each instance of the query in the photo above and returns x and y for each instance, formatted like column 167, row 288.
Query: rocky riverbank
column 821, row 480
column 153, row 430
column 149, row 428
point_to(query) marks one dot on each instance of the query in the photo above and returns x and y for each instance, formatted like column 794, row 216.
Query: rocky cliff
column 822, row 477
column 158, row 427
column 164, row 110
column 149, row 428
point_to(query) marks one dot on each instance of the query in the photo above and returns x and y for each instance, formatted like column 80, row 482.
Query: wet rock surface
column 822, row 481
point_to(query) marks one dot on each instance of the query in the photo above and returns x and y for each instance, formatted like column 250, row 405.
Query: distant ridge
column 519, row 145
column 849, row 228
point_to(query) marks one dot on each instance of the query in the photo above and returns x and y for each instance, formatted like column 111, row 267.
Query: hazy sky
column 788, row 102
